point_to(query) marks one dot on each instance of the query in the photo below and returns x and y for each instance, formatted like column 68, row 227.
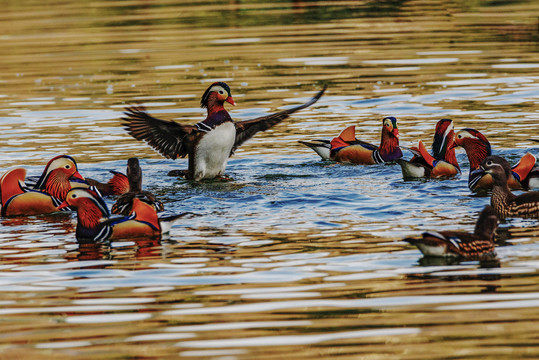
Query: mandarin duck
column 442, row 162
column 347, row 149
column 94, row 222
column 507, row 204
column 459, row 244
column 208, row 143
column 477, row 147
column 58, row 177
column 124, row 204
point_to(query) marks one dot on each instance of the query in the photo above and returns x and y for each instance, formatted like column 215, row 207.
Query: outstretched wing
column 248, row 128
column 169, row 138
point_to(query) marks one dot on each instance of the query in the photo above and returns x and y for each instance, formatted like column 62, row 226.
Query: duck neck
column 501, row 195
column 389, row 147
column 476, row 152
column 89, row 220
column 214, row 105
column 57, row 184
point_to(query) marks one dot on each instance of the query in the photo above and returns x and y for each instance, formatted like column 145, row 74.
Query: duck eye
column 221, row 92
column 73, row 196
column 459, row 136
column 489, row 163
column 67, row 166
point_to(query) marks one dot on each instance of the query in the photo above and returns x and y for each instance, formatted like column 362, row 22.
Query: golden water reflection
column 295, row 257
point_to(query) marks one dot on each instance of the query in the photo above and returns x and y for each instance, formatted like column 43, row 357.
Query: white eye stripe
column 218, row 88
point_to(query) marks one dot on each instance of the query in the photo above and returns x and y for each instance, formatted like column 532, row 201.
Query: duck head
column 90, row 206
column 498, row 168
column 134, row 175
column 475, row 144
column 57, row 176
column 215, row 96
column 389, row 145
column 486, row 223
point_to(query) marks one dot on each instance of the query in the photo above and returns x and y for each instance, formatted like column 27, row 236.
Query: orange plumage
column 56, row 180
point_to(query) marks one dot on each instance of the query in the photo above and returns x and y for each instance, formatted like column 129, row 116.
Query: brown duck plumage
column 470, row 246
column 506, row 203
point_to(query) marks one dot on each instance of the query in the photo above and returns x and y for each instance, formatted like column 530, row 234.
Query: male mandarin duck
column 59, row 176
column 208, row 143
column 477, row 147
column 95, row 223
column 347, row 149
column 442, row 162
column 124, row 204
column 461, row 244
column 507, row 204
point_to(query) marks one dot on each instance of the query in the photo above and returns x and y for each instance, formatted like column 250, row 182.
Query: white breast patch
column 213, row 150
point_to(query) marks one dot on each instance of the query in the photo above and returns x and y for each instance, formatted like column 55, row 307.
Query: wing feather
column 169, row 138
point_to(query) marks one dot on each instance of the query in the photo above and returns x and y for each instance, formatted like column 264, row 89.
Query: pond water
column 295, row 257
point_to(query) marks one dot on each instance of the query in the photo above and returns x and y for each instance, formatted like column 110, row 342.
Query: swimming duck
column 347, row 149
column 58, row 177
column 95, row 223
column 477, row 147
column 124, row 204
column 506, row 203
column 442, row 162
column 459, row 244
column 208, row 143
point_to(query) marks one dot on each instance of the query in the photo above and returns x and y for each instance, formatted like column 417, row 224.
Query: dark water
column 295, row 257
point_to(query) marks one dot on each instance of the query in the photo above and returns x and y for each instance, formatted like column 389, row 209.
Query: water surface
column 295, row 257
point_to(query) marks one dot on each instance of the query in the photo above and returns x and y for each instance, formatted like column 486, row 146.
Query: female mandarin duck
column 124, row 204
column 506, row 203
column 59, row 176
column 95, row 223
column 460, row 244
column 209, row 143
column 442, row 162
column 346, row 148
column 477, row 147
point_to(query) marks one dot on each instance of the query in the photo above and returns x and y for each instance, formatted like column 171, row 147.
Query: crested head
column 218, row 92
column 55, row 177
column 92, row 213
column 64, row 162
column 498, row 167
column 389, row 144
column 486, row 223
column 389, row 127
column 467, row 135
column 86, row 199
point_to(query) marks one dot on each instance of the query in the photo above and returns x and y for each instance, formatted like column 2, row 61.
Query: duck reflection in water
column 144, row 248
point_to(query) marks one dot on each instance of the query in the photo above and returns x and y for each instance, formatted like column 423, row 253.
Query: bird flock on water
column 209, row 143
